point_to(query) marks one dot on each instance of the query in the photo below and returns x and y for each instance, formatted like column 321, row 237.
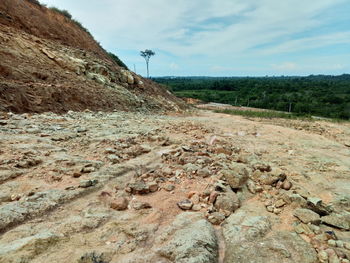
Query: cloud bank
column 223, row 37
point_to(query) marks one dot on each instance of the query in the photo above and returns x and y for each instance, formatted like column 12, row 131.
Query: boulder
column 190, row 239
column 249, row 239
column 237, row 176
column 185, row 204
column 341, row 221
column 120, row 203
column 138, row 188
column 307, row 216
column 227, row 201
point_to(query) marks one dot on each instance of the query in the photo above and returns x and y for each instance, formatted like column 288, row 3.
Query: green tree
column 147, row 54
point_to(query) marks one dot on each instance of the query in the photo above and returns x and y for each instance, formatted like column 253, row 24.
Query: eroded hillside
column 48, row 63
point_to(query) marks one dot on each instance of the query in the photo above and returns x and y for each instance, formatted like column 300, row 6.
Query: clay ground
column 55, row 215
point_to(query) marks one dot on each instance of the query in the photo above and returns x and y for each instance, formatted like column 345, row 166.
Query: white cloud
column 223, row 29
column 285, row 66
column 174, row 66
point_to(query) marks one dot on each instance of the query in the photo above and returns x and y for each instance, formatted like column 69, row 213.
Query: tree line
column 319, row 95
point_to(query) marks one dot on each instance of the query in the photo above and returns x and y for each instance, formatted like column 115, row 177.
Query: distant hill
column 320, row 95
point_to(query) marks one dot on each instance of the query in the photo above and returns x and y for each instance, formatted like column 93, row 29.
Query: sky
column 221, row 37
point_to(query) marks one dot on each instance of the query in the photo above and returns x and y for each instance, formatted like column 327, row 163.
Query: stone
column 341, row 221
column 307, row 216
column 262, row 167
column 280, row 203
column 138, row 188
column 227, row 201
column 286, row 185
column 189, row 239
column 153, row 187
column 137, row 205
column 251, row 186
column 216, row 218
column 303, row 229
column 249, row 239
column 88, row 183
column 169, row 187
column 339, row 243
column 81, row 129
column 28, row 247
column 323, row 256
column 195, row 199
column 347, row 245
column 110, row 151
column 333, row 259
column 298, row 200
column 185, row 204
column 237, row 176
column 120, row 204
column 88, row 169
column 213, row 196
column 197, row 207
column 317, row 205
column 114, row 159
column 95, row 257
column 28, row 163
column 204, row 172
column 269, row 178
column 130, row 79
column 270, row 208
column 332, row 243
column 190, row 167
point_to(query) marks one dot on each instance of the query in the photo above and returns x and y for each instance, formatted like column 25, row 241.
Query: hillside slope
column 49, row 63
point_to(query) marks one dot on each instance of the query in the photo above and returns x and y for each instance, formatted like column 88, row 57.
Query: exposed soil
column 48, row 63
column 44, row 153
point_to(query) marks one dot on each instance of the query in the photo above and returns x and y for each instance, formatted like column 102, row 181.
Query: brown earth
column 48, row 63
column 46, row 160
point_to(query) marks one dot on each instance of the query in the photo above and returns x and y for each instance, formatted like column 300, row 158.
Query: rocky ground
column 203, row 187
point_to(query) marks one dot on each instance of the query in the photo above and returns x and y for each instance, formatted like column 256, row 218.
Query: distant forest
column 317, row 95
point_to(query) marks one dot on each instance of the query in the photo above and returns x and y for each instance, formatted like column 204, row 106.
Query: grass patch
column 67, row 15
column 264, row 114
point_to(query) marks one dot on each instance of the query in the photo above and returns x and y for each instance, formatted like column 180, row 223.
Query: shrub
column 117, row 60
column 66, row 14
column 35, row 2
column 62, row 12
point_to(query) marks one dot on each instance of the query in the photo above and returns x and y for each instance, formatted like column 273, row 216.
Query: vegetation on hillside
column 327, row 96
column 66, row 14
column 117, row 60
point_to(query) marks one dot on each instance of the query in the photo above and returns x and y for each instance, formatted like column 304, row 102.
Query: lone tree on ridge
column 147, row 54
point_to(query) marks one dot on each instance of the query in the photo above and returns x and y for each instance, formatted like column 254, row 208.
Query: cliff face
column 49, row 63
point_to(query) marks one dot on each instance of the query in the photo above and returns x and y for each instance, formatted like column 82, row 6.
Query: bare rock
column 286, row 185
column 237, row 176
column 120, row 204
column 137, row 205
column 185, row 204
column 227, row 201
column 88, row 183
column 317, row 205
column 204, row 172
column 216, row 218
column 341, row 221
column 190, row 239
column 307, row 216
column 153, row 187
column 249, row 239
column 169, row 187
column 138, row 188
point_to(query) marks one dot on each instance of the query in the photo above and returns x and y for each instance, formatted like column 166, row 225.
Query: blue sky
column 221, row 37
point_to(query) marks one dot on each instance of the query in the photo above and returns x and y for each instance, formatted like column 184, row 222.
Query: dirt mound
column 49, row 63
